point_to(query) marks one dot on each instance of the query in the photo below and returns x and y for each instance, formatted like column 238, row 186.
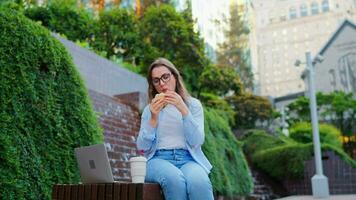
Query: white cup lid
column 138, row 159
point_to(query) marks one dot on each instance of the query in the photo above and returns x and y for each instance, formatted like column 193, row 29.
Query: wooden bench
column 108, row 191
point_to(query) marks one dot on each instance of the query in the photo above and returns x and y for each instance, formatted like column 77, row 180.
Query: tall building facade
column 211, row 17
column 212, row 20
column 285, row 30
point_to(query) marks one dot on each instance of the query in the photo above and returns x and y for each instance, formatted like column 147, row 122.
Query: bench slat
column 117, row 190
column 60, row 192
column 152, row 192
column 87, row 192
column 67, row 192
column 74, row 192
column 55, row 192
column 101, row 192
column 109, row 191
column 80, row 192
column 94, row 191
column 124, row 191
column 132, row 192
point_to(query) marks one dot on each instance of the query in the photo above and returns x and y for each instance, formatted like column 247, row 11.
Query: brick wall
column 120, row 123
column 341, row 176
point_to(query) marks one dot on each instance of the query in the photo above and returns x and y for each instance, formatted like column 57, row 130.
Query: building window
column 303, row 10
column 325, row 6
column 314, row 8
column 292, row 13
column 283, row 18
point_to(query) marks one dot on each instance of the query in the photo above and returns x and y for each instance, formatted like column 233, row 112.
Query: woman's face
column 162, row 79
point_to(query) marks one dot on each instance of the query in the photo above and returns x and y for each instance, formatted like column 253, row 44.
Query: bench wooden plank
column 139, row 191
column 94, row 191
column 55, row 192
column 87, row 191
column 101, row 192
column 67, row 192
column 152, row 191
column 81, row 192
column 74, row 192
column 132, row 192
column 117, row 190
column 108, row 191
column 60, row 192
column 124, row 191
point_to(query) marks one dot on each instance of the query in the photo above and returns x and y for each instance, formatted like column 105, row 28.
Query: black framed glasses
column 165, row 78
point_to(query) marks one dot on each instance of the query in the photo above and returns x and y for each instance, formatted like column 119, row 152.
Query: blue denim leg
column 198, row 182
column 179, row 175
column 169, row 177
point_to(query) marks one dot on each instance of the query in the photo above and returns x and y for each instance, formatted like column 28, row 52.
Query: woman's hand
column 175, row 99
column 155, row 106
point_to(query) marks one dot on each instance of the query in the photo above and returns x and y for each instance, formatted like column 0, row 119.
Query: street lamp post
column 320, row 186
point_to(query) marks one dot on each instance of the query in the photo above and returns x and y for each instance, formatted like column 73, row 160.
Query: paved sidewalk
column 332, row 197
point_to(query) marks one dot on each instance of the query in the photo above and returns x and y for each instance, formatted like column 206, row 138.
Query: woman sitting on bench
column 171, row 135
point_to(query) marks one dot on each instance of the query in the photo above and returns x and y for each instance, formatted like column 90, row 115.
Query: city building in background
column 212, row 18
column 337, row 71
column 285, row 30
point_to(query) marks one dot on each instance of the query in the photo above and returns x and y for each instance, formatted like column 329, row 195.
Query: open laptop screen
column 94, row 164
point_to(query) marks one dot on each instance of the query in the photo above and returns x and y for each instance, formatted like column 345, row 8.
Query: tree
column 299, row 111
column 147, row 3
column 233, row 52
column 171, row 36
column 220, row 80
column 118, row 35
column 249, row 108
column 75, row 23
column 65, row 18
column 337, row 107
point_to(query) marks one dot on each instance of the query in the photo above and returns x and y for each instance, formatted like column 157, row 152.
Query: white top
column 171, row 135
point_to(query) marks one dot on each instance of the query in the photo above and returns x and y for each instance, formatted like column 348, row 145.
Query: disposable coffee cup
column 138, row 169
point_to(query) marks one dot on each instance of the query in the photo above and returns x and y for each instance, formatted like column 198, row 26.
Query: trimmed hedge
column 44, row 111
column 302, row 132
column 286, row 161
column 282, row 158
column 230, row 175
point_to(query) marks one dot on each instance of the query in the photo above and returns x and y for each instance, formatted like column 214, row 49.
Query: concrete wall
column 341, row 176
column 103, row 76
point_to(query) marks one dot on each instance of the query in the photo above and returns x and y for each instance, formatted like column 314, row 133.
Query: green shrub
column 230, row 175
column 286, row 161
column 220, row 105
column 257, row 140
column 280, row 157
column 302, row 132
column 44, row 111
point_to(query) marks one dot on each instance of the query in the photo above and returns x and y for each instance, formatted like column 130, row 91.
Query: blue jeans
column 180, row 177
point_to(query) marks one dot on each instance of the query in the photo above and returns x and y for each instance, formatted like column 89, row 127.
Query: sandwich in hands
column 159, row 96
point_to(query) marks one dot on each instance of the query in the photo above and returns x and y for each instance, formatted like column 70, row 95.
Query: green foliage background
column 171, row 35
column 230, row 175
column 267, row 152
column 44, row 111
column 302, row 132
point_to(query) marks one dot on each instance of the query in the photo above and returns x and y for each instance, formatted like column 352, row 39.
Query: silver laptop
column 94, row 164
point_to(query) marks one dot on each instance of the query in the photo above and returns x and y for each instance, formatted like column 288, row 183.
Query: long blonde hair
column 180, row 88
